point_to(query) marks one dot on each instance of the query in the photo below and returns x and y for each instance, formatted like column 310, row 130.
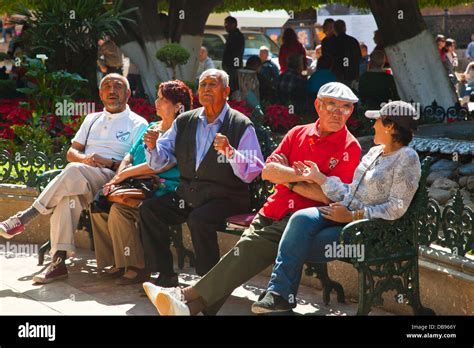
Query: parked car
column 214, row 40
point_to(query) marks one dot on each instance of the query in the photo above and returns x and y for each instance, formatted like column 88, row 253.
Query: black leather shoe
column 167, row 281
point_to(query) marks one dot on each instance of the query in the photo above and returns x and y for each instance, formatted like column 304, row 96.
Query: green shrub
column 37, row 135
column 67, row 31
column 49, row 87
column 172, row 55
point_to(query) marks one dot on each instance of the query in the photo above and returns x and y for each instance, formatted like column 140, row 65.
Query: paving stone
column 83, row 293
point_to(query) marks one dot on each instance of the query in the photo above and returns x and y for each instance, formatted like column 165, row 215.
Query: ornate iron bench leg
column 415, row 301
column 43, row 250
column 177, row 239
column 365, row 293
column 327, row 284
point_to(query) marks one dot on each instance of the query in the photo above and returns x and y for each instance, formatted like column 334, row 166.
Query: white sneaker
column 168, row 301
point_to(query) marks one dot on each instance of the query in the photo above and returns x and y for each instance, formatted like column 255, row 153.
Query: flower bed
column 50, row 132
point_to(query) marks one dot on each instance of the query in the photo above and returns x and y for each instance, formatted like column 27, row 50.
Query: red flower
column 11, row 106
column 68, row 131
column 241, row 106
column 278, row 117
column 18, row 116
column 6, row 132
column 143, row 108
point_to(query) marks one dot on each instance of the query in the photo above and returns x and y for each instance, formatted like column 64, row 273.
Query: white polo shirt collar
column 117, row 115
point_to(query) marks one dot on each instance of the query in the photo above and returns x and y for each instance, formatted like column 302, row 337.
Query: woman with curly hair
column 117, row 233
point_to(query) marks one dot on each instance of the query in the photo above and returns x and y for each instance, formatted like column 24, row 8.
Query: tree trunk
column 414, row 58
column 140, row 41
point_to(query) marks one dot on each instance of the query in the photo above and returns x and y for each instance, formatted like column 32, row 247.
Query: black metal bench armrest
column 381, row 239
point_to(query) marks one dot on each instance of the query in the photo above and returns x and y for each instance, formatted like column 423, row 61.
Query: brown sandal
column 141, row 276
column 113, row 275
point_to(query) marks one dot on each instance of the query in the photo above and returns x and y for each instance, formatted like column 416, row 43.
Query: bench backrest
column 260, row 189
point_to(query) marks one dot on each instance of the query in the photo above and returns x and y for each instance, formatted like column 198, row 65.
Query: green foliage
column 48, row 88
column 38, row 135
column 8, row 88
column 191, row 84
column 298, row 5
column 67, row 31
column 73, row 25
column 358, row 124
column 172, row 55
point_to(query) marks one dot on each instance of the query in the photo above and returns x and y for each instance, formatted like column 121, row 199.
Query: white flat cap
column 337, row 91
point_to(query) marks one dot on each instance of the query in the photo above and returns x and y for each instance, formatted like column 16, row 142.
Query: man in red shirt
column 332, row 147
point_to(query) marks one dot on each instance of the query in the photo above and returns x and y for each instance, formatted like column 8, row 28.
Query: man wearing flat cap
column 328, row 143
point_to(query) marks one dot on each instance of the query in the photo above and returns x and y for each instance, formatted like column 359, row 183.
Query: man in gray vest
column 214, row 179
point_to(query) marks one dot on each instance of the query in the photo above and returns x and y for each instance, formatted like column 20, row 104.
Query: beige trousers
column 117, row 237
column 65, row 197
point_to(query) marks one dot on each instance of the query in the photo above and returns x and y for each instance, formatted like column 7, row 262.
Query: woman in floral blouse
column 116, row 234
column 383, row 186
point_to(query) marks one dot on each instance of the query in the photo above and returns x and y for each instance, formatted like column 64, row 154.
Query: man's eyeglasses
column 332, row 107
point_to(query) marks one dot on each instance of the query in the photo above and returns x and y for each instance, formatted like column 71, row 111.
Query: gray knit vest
column 214, row 177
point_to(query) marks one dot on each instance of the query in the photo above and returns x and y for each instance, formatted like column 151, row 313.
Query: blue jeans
column 303, row 240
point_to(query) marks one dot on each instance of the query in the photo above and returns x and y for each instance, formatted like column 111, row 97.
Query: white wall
column 361, row 27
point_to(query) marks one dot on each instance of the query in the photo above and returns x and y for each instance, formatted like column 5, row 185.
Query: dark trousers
column 136, row 85
column 158, row 214
column 233, row 79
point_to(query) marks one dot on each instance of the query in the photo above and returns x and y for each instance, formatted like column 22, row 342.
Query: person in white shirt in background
column 470, row 50
column 205, row 62
column 451, row 53
column 315, row 56
column 268, row 69
column 466, row 86
column 95, row 153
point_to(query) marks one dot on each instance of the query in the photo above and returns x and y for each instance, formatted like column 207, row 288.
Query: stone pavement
column 83, row 293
